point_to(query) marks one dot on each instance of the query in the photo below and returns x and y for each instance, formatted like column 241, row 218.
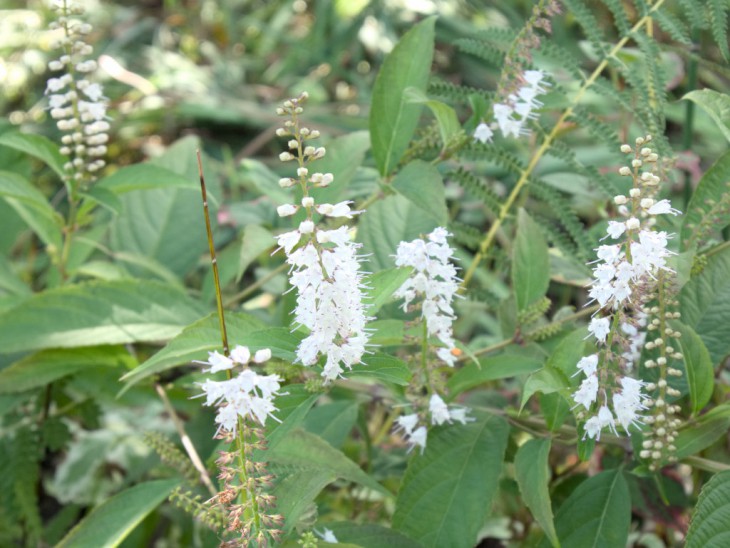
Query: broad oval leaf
column 36, row 145
column 530, row 262
column 715, row 104
column 705, row 305
column 490, row 369
column 384, row 368
column 447, row 491
column 50, row 365
column 707, row 202
column 533, row 476
column 709, row 526
column 388, row 223
column 111, row 522
column 144, row 177
column 381, row 286
column 393, row 118
column 700, row 434
column 597, row 513
column 700, row 373
column 421, row 183
column 95, row 313
column 369, row 535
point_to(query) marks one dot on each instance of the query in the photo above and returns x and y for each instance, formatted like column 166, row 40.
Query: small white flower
column 286, row 210
column 241, row 355
column 663, row 207
column 327, row 536
column 600, row 328
column 483, row 133
column 615, row 229
column 262, row 355
column 586, row 394
column 587, row 365
column 439, row 410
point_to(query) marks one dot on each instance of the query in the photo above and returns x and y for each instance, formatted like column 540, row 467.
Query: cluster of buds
column 630, row 276
column 77, row 104
column 325, row 263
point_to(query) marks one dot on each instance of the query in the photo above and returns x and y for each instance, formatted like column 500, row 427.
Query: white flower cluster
column 77, row 105
column 415, row 435
column 247, row 395
column 512, row 116
column 624, row 277
column 434, row 278
column 326, row 269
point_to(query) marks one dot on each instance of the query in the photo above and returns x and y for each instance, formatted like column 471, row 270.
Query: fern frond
column 466, row 235
column 563, row 58
column 693, row 15
column 474, row 150
column 718, row 25
column 477, row 187
column 673, row 26
column 554, row 235
column 564, row 215
column 26, row 473
column 456, row 92
column 482, row 50
column 585, row 18
column 620, row 19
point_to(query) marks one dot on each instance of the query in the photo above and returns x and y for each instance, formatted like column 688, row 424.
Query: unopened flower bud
column 625, row 171
column 625, row 149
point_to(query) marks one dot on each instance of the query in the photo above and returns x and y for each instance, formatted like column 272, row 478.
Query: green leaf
column 569, row 351
column 345, row 155
column 304, row 464
column 421, row 183
column 555, row 408
column 145, row 177
column 255, row 241
column 204, row 336
column 383, row 284
column 490, row 369
column 393, row 118
column 95, row 313
column 384, row 368
column 700, row 374
column 293, row 408
column 36, row 145
column 387, row 332
column 447, row 491
column 709, row 195
column 547, row 380
column 111, row 522
column 530, row 262
column 47, row 366
column 9, row 280
column 332, row 422
column 709, row 526
column 166, row 223
column 533, row 477
column 705, row 305
column 597, row 513
column 449, row 126
column 715, row 104
column 369, row 535
column 700, row 434
column 388, row 223
column 30, row 204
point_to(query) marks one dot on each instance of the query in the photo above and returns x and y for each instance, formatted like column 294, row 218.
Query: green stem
column 525, row 175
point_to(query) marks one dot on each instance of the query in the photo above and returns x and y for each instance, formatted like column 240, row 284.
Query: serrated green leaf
column 597, row 513
column 382, row 286
column 36, row 145
column 204, row 336
column 709, row 525
column 384, row 368
column 703, row 432
column 304, row 464
column 705, row 305
column 393, row 118
column 555, row 409
column 491, row 369
column 530, row 262
column 710, row 192
column 568, row 353
column 421, row 183
column 700, row 374
column 447, row 491
column 145, row 177
column 30, row 204
column 166, row 223
column 449, row 126
column 256, row 239
column 388, row 223
column 332, row 422
column 47, row 366
column 715, row 104
column 547, row 380
column 111, row 522
column 95, row 313
column 369, row 535
column 533, row 477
